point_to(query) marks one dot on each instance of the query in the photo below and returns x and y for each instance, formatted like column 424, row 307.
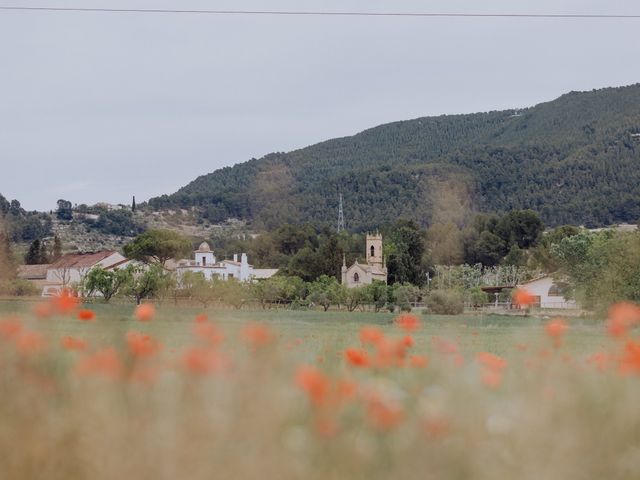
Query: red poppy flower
column 145, row 312
column 86, row 315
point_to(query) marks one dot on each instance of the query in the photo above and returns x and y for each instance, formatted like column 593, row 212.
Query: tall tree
column 34, row 255
column 158, row 246
column 64, row 211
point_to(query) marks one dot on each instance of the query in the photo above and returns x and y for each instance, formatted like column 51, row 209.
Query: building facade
column 205, row 262
column 374, row 268
column 547, row 294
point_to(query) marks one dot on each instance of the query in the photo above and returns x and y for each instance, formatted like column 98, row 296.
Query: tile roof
column 80, row 260
column 33, row 272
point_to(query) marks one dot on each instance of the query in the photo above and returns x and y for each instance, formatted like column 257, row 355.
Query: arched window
column 373, row 251
column 554, row 291
column 356, row 278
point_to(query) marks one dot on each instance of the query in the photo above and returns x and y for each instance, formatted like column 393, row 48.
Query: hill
column 573, row 160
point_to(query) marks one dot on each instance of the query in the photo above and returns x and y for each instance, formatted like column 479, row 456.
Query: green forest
column 573, row 160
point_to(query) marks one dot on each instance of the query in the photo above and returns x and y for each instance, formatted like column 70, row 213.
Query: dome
column 204, row 247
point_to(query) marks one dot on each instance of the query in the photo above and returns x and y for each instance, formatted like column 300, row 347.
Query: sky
column 98, row 107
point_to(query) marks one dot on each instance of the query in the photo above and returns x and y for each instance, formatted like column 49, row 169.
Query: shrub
column 445, row 302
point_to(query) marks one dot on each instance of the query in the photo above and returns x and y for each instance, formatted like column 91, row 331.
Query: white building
column 204, row 261
column 547, row 294
column 70, row 269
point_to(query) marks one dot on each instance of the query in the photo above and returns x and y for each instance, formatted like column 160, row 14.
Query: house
column 36, row 274
column 70, row 269
column 547, row 293
column 360, row 274
column 205, row 262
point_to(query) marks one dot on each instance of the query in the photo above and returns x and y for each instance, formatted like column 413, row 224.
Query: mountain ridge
column 572, row 159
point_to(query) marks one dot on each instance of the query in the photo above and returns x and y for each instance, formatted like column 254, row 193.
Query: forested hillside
column 574, row 160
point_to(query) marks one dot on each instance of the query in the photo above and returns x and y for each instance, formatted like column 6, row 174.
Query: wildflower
column 371, row 335
column 408, row 322
column 66, row 302
column 492, row 378
column 556, row 329
column 522, row 297
column 256, row 335
column 407, row 341
column 141, row 345
column 145, row 312
column 630, row 360
column 622, row 316
column 357, row 357
column 418, row 361
column 43, row 310
column 86, row 315
column 209, row 333
column 29, row 342
column 10, row 328
column 73, row 344
column 104, row 363
column 600, row 360
column 314, row 383
column 491, row 361
column 203, row 361
column 384, row 415
column 201, row 318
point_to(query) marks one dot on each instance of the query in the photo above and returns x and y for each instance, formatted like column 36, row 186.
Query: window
column 373, row 251
column 356, row 277
column 204, row 261
column 230, row 275
column 554, row 291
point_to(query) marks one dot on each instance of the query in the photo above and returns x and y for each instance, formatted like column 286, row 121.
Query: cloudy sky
column 103, row 106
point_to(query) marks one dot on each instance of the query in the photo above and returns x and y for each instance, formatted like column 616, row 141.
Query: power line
column 325, row 14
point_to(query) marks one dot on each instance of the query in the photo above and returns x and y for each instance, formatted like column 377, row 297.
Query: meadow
column 108, row 391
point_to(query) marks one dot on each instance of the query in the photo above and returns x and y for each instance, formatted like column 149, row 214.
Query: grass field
column 287, row 394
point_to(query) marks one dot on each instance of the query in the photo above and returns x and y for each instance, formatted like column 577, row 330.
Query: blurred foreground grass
column 269, row 394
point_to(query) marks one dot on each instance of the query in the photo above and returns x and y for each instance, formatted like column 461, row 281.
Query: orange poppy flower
column 104, row 363
column 66, row 302
column 73, row 344
column 201, row 318
column 384, row 415
column 371, row 335
column 203, row 361
column 43, row 309
column 630, row 360
column 314, row 383
column 556, row 329
column 257, row 335
column 357, row 357
column 419, row 361
column 622, row 316
column 10, row 328
column 86, row 315
column 29, row 342
column 491, row 361
column 523, row 298
column 209, row 333
column 145, row 312
column 492, row 378
column 408, row 322
column 141, row 345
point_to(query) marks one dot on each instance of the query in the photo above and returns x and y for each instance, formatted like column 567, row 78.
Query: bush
column 445, row 302
column 18, row 288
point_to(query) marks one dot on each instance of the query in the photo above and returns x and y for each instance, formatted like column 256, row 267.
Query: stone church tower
column 374, row 269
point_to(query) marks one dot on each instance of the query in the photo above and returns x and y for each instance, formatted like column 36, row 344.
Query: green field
column 494, row 333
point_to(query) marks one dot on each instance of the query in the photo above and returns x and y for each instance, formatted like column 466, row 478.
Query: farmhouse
column 547, row 293
column 70, row 269
column 205, row 262
column 364, row 274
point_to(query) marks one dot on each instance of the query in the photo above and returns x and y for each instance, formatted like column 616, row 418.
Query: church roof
column 204, row 248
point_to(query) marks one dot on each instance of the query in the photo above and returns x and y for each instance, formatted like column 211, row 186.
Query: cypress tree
column 34, row 255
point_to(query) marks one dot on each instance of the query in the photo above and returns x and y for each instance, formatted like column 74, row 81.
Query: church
column 375, row 268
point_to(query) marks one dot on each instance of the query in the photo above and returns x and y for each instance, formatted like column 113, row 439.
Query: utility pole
column 340, row 216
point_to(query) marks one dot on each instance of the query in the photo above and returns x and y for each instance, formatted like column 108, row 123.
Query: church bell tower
column 374, row 250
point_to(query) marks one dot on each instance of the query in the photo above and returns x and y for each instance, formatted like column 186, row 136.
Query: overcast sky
column 103, row 106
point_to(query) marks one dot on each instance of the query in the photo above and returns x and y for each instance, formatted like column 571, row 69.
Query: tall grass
column 258, row 400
